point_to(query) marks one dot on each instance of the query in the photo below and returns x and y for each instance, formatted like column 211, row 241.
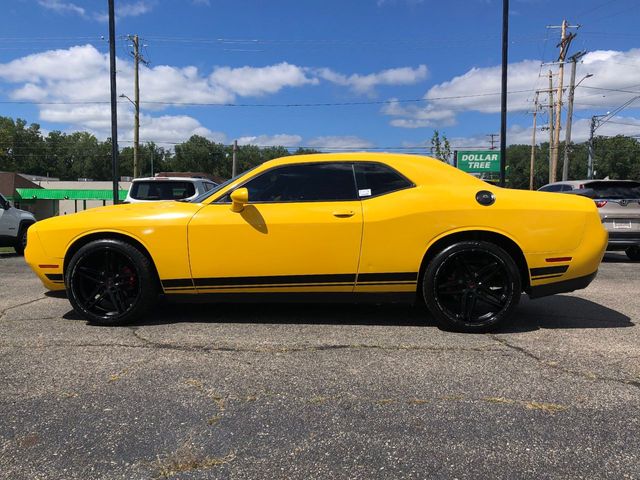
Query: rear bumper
column 565, row 286
column 622, row 240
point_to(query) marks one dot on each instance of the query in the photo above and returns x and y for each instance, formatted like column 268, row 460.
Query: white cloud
column 337, row 142
column 81, row 74
column 127, row 9
column 478, row 89
column 256, row 81
column 62, row 7
column 134, row 9
column 367, row 83
column 281, row 139
column 53, row 65
column 414, row 116
column 30, row 92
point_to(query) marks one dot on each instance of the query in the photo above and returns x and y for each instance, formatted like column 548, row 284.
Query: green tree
column 440, row 148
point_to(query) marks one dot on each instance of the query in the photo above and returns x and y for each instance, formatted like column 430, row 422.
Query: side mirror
column 5, row 205
column 239, row 198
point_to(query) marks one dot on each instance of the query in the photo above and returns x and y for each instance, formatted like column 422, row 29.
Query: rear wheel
column 633, row 252
column 471, row 286
column 110, row 282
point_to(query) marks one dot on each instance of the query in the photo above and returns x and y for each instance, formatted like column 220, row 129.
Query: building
column 47, row 197
column 65, row 197
column 10, row 182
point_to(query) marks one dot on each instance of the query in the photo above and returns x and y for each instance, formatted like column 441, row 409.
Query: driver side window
column 319, row 182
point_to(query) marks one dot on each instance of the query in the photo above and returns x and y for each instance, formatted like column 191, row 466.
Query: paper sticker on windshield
column 366, row 192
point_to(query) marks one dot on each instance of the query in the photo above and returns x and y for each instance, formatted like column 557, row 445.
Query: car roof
column 417, row 167
column 171, row 179
column 586, row 182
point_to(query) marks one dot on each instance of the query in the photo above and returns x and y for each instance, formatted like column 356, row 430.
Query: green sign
column 478, row 161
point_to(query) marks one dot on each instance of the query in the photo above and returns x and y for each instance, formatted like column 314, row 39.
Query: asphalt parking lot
column 309, row 391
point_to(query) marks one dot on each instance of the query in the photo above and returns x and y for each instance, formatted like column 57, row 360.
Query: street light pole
column 572, row 90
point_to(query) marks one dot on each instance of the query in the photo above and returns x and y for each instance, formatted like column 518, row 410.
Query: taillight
column 600, row 203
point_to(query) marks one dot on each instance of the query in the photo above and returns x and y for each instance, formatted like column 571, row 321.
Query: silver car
column 618, row 202
column 153, row 189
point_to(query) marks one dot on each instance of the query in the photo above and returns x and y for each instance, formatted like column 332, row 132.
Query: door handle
column 344, row 213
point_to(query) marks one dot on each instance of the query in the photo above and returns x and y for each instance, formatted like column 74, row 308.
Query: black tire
column 633, row 253
column 110, row 282
column 471, row 286
column 21, row 240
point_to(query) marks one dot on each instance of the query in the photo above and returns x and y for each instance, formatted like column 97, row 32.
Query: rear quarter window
column 376, row 179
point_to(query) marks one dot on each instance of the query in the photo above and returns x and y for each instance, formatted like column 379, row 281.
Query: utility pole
column 533, row 142
column 136, row 103
column 234, row 171
column 572, row 89
column 493, row 140
column 551, row 136
column 565, row 42
column 503, row 91
column 114, row 101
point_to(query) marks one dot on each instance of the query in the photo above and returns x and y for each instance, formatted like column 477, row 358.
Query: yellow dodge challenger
column 351, row 226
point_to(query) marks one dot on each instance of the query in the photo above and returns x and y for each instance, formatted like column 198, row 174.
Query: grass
column 7, row 250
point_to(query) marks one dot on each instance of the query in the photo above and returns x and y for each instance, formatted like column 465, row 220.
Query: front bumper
column 48, row 269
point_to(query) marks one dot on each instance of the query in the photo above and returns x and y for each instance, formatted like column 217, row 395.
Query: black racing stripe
column 54, row 277
column 535, row 272
column 347, row 278
column 373, row 284
column 387, row 277
column 547, row 276
column 290, row 285
column 177, row 282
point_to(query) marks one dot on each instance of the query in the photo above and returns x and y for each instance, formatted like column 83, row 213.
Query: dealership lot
column 320, row 391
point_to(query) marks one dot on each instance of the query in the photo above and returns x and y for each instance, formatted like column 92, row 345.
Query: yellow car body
column 370, row 244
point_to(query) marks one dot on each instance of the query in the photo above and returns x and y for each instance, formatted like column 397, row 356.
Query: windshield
column 202, row 197
column 612, row 190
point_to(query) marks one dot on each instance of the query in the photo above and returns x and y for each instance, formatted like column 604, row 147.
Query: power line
column 612, row 89
column 220, row 104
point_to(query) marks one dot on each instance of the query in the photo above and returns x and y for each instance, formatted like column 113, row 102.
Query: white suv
column 153, row 189
column 13, row 226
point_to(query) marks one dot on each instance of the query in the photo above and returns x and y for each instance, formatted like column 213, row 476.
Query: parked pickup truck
column 13, row 226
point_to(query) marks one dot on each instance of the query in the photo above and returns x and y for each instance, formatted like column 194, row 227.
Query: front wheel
column 21, row 241
column 633, row 253
column 110, row 282
column 472, row 286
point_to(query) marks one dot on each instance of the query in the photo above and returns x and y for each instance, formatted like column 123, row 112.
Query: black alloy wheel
column 110, row 282
column 21, row 241
column 472, row 286
column 633, row 253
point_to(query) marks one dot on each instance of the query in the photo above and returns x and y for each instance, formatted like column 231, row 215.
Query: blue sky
column 410, row 66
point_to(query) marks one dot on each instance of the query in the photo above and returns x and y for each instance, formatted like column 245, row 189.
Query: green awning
column 67, row 194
